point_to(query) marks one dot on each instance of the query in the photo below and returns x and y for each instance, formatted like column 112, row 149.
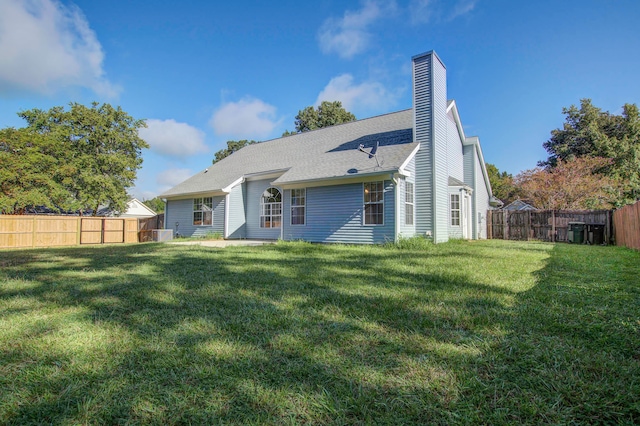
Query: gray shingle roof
column 329, row 153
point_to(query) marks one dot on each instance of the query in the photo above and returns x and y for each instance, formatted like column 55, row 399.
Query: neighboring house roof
column 518, row 205
column 330, row 153
column 136, row 208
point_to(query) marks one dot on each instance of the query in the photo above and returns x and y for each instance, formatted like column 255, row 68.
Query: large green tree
column 33, row 172
column 155, row 204
column 501, row 184
column 325, row 115
column 591, row 132
column 100, row 144
column 232, row 146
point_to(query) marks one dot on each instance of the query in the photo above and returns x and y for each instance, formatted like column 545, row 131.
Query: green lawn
column 488, row 332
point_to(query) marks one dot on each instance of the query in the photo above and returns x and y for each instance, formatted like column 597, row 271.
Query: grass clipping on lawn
column 487, row 332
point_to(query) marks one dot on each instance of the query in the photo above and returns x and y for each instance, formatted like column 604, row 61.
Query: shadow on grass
column 289, row 333
column 572, row 354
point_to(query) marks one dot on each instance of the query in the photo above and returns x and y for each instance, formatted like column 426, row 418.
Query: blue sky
column 204, row 72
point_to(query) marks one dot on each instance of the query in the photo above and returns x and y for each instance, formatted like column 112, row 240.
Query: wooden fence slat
column 626, row 226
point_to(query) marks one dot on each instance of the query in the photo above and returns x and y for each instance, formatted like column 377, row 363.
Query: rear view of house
column 407, row 173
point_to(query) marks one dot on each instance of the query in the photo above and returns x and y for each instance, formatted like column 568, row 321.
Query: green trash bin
column 576, row 232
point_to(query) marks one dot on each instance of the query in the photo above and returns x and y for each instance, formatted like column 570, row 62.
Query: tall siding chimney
column 430, row 130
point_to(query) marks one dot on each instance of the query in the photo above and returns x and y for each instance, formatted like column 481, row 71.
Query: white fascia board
column 227, row 189
column 401, row 169
column 474, row 140
column 213, row 193
column 453, row 107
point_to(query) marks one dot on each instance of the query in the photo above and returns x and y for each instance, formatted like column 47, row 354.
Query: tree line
column 593, row 163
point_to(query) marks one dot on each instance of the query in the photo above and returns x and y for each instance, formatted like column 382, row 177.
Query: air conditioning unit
column 162, row 234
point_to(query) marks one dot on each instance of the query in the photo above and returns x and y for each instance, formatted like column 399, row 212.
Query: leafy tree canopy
column 591, row 132
column 98, row 147
column 327, row 114
column 232, row 146
column 155, row 204
column 33, row 172
column 572, row 184
column 501, row 184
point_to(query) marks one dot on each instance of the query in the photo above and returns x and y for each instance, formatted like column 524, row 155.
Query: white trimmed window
column 271, row 208
column 455, row 209
column 408, row 203
column 374, row 203
column 298, row 206
column 202, row 211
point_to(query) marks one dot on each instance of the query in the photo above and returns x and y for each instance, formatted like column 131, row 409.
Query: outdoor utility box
column 162, row 234
column 575, row 234
column 595, row 233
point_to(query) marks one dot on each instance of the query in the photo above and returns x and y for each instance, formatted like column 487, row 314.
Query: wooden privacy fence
column 548, row 225
column 49, row 231
column 626, row 223
column 148, row 228
column 150, row 223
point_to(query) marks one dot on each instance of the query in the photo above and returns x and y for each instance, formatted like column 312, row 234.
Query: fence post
column 553, row 226
column 505, row 225
column 33, row 232
column 78, row 230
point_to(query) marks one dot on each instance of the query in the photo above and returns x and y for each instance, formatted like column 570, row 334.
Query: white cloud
column 425, row 11
column 368, row 96
column 168, row 137
column 350, row 35
column 171, row 177
column 247, row 118
column 462, row 7
column 46, row 46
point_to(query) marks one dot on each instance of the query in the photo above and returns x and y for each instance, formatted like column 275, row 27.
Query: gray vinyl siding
column 236, row 216
column 480, row 203
column 423, row 121
column 469, row 162
column 334, row 214
column 455, row 156
column 254, row 194
column 181, row 212
column 430, row 109
column 470, row 179
column 407, row 230
column 441, row 168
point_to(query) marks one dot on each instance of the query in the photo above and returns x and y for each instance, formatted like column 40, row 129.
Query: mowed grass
column 487, row 332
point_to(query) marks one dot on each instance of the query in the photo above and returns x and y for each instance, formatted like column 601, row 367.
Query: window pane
column 408, row 195
column 373, row 214
column 208, row 203
column 207, row 218
column 297, row 215
column 408, row 214
column 197, row 218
